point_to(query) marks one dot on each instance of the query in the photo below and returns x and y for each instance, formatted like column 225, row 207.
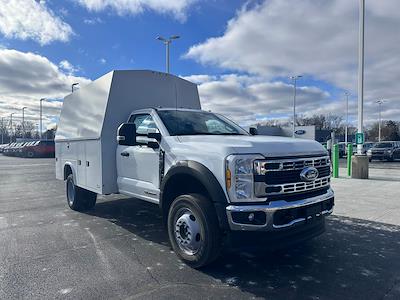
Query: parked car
column 214, row 182
column 2, row 147
column 20, row 151
column 366, row 147
column 44, row 148
column 11, row 149
column 5, row 149
column 389, row 150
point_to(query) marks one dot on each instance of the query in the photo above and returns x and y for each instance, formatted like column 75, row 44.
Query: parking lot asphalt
column 120, row 250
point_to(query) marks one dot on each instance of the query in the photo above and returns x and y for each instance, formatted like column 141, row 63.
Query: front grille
column 282, row 177
column 291, row 176
column 377, row 152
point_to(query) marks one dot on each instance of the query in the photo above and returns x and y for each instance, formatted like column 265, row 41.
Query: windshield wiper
column 211, row 133
column 230, row 133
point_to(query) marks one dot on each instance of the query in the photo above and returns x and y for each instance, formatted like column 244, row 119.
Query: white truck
column 143, row 134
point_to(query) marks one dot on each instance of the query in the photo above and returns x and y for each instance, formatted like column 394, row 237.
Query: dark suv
column 385, row 150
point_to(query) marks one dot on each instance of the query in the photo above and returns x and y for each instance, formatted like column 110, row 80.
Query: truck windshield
column 180, row 122
column 383, row 145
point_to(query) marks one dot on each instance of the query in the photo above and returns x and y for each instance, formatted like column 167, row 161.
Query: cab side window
column 144, row 124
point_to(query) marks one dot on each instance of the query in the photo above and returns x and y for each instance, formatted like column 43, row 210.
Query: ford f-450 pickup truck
column 143, row 134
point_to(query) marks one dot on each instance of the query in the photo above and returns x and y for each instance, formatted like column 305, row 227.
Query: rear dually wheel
column 78, row 198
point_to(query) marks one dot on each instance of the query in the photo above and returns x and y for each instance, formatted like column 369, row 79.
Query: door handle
column 124, row 153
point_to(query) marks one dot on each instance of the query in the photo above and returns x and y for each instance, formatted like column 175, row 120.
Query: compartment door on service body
column 138, row 166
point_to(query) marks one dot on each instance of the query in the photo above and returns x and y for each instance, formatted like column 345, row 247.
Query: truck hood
column 269, row 146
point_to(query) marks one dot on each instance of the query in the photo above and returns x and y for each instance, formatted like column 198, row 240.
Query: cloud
column 93, row 21
column 277, row 38
column 102, row 61
column 29, row 19
column 199, row 79
column 247, row 99
column 177, row 8
column 26, row 77
column 65, row 65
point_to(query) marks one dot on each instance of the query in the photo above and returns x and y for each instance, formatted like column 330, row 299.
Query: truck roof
column 100, row 107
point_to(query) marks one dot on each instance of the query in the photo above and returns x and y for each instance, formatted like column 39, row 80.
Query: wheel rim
column 188, row 232
column 70, row 192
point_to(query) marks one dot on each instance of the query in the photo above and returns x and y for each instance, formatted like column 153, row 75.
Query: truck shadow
column 353, row 259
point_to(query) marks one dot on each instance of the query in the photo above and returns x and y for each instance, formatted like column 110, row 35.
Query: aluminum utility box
column 90, row 116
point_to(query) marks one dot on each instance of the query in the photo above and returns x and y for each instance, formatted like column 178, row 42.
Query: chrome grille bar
column 263, row 166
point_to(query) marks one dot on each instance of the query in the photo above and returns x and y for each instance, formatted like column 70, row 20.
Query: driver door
column 138, row 165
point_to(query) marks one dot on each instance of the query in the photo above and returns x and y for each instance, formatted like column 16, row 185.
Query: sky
column 240, row 53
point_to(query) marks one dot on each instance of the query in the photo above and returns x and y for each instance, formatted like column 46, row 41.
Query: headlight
column 388, row 151
column 240, row 178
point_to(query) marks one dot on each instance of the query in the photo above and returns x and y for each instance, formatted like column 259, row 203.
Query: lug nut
column 251, row 217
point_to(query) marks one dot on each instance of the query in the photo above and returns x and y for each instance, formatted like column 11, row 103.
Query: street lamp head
column 380, row 101
column 174, row 37
column 24, row 108
column 160, row 38
column 42, row 99
column 73, row 85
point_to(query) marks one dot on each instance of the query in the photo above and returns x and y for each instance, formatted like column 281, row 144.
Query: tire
column 78, row 198
column 193, row 230
column 370, row 159
column 30, row 154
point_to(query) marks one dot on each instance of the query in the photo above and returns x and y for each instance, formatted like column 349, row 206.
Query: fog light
column 251, row 217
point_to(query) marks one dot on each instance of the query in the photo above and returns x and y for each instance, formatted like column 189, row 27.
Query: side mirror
column 154, row 135
column 253, row 131
column 126, row 134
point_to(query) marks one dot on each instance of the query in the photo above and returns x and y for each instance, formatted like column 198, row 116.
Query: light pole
column 294, row 78
column 2, row 130
column 41, row 117
column 167, row 42
column 347, row 121
column 73, row 85
column 361, row 73
column 380, row 102
column 23, row 122
column 11, row 127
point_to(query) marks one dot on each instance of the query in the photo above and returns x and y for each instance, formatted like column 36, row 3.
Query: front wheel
column 193, row 230
column 78, row 198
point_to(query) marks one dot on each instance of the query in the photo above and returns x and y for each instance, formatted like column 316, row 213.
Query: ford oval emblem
column 300, row 132
column 309, row 174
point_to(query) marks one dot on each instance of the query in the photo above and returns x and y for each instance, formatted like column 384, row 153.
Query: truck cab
column 215, row 183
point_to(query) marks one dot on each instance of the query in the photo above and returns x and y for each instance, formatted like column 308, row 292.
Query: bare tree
column 390, row 131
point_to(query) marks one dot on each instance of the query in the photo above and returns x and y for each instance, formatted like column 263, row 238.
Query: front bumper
column 279, row 215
